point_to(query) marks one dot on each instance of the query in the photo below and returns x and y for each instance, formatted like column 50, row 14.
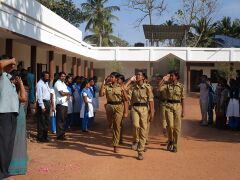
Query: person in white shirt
column 43, row 107
column 62, row 97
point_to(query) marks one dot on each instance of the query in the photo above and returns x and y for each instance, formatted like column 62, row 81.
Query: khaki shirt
column 141, row 94
column 114, row 93
column 174, row 91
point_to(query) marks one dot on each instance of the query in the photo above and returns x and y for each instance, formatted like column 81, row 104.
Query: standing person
column 141, row 97
column 87, row 111
column 121, row 80
column 43, row 107
column 18, row 165
column 233, row 105
column 77, row 101
column 70, row 102
column 115, row 105
column 210, row 102
column 9, row 108
column 162, row 105
column 62, row 97
column 174, row 108
column 30, row 82
column 93, row 89
column 221, row 105
column 204, row 91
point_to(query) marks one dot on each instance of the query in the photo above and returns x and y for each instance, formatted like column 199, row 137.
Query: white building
column 41, row 39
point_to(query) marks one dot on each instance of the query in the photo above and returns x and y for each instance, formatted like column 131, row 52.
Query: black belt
column 115, row 102
column 140, row 104
column 173, row 101
column 46, row 100
column 162, row 100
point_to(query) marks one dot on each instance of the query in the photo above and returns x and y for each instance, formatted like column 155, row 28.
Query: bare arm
column 22, row 95
column 102, row 89
column 6, row 62
column 64, row 93
column 125, row 113
column 183, row 107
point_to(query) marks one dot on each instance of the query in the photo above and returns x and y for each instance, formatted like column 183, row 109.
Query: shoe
column 121, row 141
column 170, row 145
column 204, row 123
column 85, row 131
column 164, row 132
column 145, row 149
column 115, row 149
column 174, row 150
column 135, row 146
column 140, row 156
column 146, row 143
column 43, row 140
column 62, row 138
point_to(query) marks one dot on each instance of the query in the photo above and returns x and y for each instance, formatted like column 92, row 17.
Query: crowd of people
column 224, row 99
column 75, row 101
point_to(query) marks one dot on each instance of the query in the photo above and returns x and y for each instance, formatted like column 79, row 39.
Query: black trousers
column 43, row 120
column 8, row 123
column 61, row 117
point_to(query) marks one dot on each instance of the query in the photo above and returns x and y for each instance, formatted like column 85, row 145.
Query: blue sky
column 124, row 27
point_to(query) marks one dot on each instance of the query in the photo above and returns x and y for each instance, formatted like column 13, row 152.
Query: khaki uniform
column 173, row 111
column 140, row 97
column 115, row 110
column 162, row 105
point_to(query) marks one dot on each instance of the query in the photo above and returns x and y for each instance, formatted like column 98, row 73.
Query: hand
column 133, row 78
column 183, row 114
column 151, row 116
column 123, row 87
column 44, row 110
column 13, row 61
column 125, row 115
column 19, row 81
column 53, row 109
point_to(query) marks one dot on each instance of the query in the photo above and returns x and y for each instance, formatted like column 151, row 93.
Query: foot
column 204, row 123
column 165, row 132
column 42, row 140
column 121, row 141
column 140, row 156
column 174, row 150
column 170, row 145
column 145, row 149
column 85, row 131
column 135, row 146
column 62, row 138
column 115, row 149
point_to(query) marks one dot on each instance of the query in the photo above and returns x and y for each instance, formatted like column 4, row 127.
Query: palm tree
column 204, row 32
column 99, row 20
column 228, row 27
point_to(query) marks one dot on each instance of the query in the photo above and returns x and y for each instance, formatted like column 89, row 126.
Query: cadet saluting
column 141, row 97
column 174, row 108
column 116, row 96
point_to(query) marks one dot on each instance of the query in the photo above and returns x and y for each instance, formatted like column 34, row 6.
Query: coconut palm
column 99, row 20
column 204, row 32
column 228, row 27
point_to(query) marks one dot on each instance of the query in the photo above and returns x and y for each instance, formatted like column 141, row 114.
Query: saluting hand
column 133, row 78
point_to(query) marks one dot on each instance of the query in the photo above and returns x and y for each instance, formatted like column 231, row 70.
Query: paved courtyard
column 204, row 153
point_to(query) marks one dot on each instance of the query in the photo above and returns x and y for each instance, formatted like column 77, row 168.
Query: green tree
column 203, row 34
column 228, row 27
column 66, row 9
column 99, row 21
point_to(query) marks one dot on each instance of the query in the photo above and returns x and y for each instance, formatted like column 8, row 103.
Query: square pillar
column 51, row 64
column 34, row 60
column 188, row 77
column 91, row 69
column 79, row 67
column 74, row 66
column 9, row 47
column 64, row 63
column 86, row 69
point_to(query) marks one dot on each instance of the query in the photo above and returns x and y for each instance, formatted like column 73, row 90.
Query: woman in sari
column 18, row 165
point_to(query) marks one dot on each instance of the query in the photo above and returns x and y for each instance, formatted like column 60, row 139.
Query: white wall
column 21, row 52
